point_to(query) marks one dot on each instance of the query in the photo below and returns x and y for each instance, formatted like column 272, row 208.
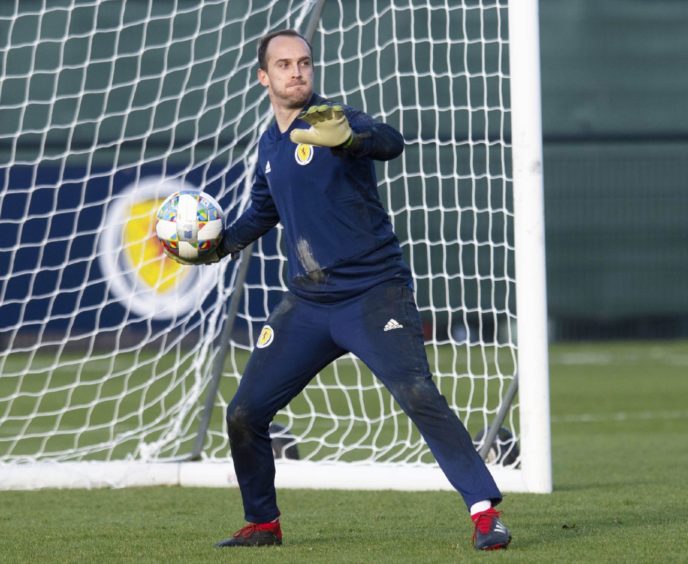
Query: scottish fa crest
column 265, row 338
column 303, row 153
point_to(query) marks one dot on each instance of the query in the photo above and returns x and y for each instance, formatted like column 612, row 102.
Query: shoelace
column 251, row 528
column 485, row 520
column 246, row 531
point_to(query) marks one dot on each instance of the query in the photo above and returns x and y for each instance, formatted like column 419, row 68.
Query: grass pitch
column 619, row 428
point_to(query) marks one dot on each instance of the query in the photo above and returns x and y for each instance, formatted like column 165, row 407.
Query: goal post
column 107, row 348
column 529, row 250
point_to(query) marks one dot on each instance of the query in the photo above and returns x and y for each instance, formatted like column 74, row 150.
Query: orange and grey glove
column 329, row 127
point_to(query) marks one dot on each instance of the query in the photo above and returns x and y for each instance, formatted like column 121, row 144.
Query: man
column 349, row 290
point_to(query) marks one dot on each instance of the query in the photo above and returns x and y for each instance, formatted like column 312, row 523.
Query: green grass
column 620, row 447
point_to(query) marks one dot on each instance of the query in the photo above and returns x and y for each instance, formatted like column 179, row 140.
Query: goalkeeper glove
column 329, row 127
column 208, row 258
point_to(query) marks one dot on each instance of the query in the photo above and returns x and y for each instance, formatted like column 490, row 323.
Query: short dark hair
column 265, row 40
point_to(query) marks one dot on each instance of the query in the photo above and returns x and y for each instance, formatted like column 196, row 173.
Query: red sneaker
column 255, row 534
column 490, row 533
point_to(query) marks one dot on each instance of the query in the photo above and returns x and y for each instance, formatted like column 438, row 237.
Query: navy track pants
column 306, row 337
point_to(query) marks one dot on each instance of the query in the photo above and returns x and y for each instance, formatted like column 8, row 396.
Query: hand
column 208, row 258
column 329, row 127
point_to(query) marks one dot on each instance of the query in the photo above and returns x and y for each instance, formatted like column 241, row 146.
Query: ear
column 263, row 77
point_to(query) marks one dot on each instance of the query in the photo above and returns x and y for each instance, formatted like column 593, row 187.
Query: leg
column 397, row 357
column 301, row 346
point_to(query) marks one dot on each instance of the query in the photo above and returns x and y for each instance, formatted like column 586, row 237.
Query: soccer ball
column 190, row 224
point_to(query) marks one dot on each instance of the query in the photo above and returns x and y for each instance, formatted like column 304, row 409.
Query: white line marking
column 620, row 416
column 655, row 355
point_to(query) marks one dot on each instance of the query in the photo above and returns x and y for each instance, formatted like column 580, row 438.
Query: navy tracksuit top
column 339, row 238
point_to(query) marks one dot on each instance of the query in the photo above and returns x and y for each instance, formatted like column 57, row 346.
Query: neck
column 284, row 117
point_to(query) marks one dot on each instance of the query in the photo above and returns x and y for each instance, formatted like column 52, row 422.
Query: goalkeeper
column 349, row 290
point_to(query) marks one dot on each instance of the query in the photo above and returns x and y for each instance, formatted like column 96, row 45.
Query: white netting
column 106, row 107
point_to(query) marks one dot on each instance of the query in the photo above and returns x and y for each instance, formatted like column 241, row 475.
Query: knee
column 420, row 397
column 243, row 422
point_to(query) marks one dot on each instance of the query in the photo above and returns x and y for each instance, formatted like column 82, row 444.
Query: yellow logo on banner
column 303, row 153
column 144, row 250
column 265, row 338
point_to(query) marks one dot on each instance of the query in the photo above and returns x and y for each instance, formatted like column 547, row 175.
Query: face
column 289, row 73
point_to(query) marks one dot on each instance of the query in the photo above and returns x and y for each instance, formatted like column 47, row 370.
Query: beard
column 294, row 98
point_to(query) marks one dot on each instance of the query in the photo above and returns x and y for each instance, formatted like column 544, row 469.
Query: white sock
column 480, row 506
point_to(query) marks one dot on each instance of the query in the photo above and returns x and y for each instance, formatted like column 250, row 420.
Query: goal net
column 108, row 348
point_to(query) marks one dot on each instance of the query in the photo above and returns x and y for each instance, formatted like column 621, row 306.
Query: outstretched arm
column 258, row 219
column 376, row 140
column 350, row 131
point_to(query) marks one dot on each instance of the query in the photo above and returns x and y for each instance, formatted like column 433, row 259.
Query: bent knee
column 420, row 396
column 243, row 422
